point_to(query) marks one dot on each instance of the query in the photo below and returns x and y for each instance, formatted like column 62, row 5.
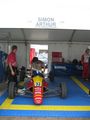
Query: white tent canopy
column 71, row 43
column 63, row 25
column 56, row 35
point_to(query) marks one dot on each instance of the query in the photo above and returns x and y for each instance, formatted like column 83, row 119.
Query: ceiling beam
column 24, row 36
column 72, row 35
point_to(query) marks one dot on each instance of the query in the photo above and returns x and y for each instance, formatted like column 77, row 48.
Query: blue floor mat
column 34, row 113
column 75, row 95
column 86, row 83
column 3, row 97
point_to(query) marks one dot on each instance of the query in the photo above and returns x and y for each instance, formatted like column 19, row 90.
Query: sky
column 67, row 14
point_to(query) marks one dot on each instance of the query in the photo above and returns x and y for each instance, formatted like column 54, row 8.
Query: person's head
column 35, row 59
column 14, row 48
column 87, row 51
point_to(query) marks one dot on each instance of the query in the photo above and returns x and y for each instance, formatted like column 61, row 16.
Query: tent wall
column 57, row 47
column 76, row 50
column 69, row 51
column 4, row 47
column 21, row 53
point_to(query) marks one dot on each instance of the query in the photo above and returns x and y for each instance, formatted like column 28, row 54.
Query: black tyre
column 12, row 90
column 63, row 90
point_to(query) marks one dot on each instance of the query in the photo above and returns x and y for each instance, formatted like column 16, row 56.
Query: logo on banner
column 60, row 67
column 46, row 22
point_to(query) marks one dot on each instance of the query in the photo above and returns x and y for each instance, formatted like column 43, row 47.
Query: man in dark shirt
column 12, row 65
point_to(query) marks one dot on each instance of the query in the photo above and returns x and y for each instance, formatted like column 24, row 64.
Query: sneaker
column 86, row 79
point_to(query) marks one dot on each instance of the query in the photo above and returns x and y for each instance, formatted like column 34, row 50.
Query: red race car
column 37, row 88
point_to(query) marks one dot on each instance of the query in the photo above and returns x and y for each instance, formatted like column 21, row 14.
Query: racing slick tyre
column 51, row 76
column 12, row 90
column 63, row 90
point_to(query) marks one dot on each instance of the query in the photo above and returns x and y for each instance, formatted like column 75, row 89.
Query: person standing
column 12, row 65
column 85, row 64
column 3, row 57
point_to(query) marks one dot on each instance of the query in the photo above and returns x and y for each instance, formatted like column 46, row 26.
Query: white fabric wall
column 21, row 53
column 69, row 51
column 57, row 47
column 3, row 47
column 76, row 50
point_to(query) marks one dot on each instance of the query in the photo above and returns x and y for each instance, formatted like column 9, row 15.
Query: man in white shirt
column 85, row 63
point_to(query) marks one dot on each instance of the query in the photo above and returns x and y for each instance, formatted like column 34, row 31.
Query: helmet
column 35, row 59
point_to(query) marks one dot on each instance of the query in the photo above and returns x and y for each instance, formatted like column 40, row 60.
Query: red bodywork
column 37, row 90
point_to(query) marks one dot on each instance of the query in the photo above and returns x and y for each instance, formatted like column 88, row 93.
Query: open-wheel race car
column 36, row 87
